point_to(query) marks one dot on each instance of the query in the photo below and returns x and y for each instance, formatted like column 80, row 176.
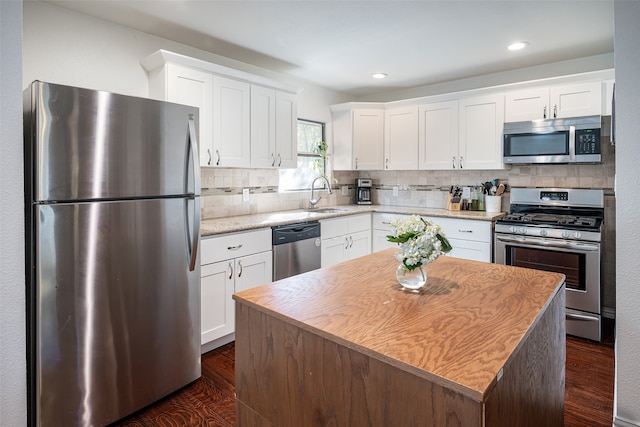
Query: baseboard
column 212, row 345
column 621, row 422
column 608, row 312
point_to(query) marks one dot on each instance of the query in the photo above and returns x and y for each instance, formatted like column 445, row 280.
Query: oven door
column 556, row 146
column 578, row 261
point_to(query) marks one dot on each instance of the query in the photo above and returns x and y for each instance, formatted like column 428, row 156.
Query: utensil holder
column 493, row 203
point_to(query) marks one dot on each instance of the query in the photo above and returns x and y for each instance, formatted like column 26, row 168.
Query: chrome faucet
column 313, row 202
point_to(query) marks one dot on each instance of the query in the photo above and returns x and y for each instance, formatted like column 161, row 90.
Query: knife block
column 453, row 204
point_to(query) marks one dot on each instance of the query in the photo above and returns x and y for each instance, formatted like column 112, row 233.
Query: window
column 311, row 158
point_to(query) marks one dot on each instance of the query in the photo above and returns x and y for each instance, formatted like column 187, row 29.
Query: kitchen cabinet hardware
column 234, row 248
column 239, row 268
column 218, row 161
column 453, row 162
column 461, row 162
column 279, row 160
column 230, row 270
column 209, row 161
column 273, row 160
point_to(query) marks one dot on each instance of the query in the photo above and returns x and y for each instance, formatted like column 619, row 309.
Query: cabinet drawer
column 234, row 245
column 382, row 221
column 479, row 231
column 334, row 227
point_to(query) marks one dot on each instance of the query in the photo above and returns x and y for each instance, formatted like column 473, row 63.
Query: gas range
column 558, row 230
column 572, row 214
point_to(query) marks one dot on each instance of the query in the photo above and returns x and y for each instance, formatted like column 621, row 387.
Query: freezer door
column 117, row 316
column 84, row 145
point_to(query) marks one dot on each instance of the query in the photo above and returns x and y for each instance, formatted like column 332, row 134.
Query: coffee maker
column 363, row 191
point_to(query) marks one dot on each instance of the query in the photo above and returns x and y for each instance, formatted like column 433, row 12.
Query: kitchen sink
column 326, row 210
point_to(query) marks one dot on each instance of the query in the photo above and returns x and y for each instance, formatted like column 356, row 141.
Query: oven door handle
column 579, row 317
column 562, row 245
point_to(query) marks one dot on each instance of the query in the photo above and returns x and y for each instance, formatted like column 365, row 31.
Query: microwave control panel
column 588, row 141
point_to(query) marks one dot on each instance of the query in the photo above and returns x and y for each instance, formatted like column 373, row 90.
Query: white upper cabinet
column 185, row 85
column 438, row 136
column 480, row 132
column 286, row 130
column 571, row 100
column 462, row 134
column 229, row 102
column 358, row 138
column 274, row 136
column 231, row 123
column 401, row 138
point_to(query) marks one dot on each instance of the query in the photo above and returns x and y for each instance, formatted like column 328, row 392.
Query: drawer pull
column 386, row 223
column 230, row 271
column 239, row 268
column 234, row 248
column 465, row 231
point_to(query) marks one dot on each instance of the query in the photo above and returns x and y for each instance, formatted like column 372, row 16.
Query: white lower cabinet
column 471, row 239
column 230, row 263
column 345, row 238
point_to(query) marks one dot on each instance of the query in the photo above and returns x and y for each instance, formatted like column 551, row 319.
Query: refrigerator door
column 118, row 324
column 90, row 145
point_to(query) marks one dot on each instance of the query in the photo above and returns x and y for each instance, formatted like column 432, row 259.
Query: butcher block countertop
column 213, row 226
column 473, row 326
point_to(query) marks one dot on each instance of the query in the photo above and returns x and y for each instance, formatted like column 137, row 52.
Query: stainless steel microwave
column 569, row 140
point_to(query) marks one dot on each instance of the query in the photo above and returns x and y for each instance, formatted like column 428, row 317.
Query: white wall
column 13, row 380
column 627, row 64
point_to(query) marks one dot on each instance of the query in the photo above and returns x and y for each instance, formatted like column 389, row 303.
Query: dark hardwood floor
column 209, row 401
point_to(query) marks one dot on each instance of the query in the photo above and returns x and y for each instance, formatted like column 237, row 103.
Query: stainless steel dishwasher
column 296, row 249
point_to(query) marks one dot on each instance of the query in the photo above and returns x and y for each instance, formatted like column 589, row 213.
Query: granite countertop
column 210, row 227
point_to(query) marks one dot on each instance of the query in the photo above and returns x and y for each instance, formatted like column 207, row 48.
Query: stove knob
column 523, row 230
column 543, row 233
column 565, row 234
column 577, row 235
column 512, row 229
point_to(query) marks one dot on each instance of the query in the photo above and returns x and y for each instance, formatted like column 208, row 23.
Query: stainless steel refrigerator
column 113, row 264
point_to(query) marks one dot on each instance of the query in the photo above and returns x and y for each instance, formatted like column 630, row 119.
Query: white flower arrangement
column 421, row 241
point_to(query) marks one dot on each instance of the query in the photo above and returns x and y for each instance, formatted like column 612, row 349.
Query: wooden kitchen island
column 481, row 345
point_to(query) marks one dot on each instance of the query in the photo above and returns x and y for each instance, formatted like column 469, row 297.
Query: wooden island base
column 482, row 345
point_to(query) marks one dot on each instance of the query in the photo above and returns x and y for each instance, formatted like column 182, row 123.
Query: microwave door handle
column 572, row 143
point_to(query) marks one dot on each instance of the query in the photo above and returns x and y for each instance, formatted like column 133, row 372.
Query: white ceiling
column 339, row 44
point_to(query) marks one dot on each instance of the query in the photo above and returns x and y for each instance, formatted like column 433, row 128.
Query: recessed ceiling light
column 517, row 45
column 378, row 75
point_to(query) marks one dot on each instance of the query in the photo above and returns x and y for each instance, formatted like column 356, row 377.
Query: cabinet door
column 380, row 241
column 231, row 123
column 286, row 130
column 216, row 304
column 192, row 87
column 528, row 104
column 401, row 139
column 263, row 129
column 332, row 251
column 580, row 99
column 480, row 132
column 253, row 270
column 368, row 139
column 359, row 244
column 438, row 136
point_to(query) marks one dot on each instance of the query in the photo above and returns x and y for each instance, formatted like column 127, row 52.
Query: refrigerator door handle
column 195, row 239
column 193, row 146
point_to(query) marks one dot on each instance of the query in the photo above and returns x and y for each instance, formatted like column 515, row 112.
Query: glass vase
column 411, row 279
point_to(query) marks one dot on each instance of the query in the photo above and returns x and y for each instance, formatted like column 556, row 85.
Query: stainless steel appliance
column 296, row 249
column 558, row 230
column 363, row 191
column 570, row 140
column 113, row 269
